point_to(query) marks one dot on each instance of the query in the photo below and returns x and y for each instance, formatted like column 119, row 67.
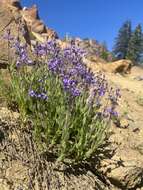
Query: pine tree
column 135, row 48
column 122, row 41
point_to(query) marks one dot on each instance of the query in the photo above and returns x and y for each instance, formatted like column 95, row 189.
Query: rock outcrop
column 27, row 20
column 122, row 66
column 7, row 20
column 35, row 25
column 92, row 47
column 29, row 16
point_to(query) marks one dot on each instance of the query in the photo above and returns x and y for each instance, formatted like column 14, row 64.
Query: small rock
column 126, row 177
column 124, row 123
column 136, row 130
column 139, row 78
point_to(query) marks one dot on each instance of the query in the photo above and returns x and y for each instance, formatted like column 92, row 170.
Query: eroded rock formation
column 121, row 66
column 35, row 25
column 13, row 16
column 29, row 17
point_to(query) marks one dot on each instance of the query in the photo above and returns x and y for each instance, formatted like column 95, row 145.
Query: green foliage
column 122, row 41
column 129, row 44
column 70, row 132
column 135, row 47
column 104, row 55
column 66, row 106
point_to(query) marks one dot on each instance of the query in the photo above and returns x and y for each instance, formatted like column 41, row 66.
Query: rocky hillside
column 27, row 25
column 27, row 20
column 122, row 166
column 92, row 47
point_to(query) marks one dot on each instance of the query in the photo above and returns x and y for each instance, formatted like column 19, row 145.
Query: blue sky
column 96, row 19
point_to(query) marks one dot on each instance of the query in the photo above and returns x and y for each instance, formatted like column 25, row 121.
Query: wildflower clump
column 68, row 106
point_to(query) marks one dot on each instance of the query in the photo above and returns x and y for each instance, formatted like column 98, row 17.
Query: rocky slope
column 125, row 168
column 92, row 47
column 122, row 168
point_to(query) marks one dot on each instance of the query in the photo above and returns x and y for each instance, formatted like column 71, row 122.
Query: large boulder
column 122, row 66
column 35, row 25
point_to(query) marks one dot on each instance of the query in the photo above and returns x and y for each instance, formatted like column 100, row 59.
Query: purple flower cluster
column 112, row 112
column 20, row 49
column 104, row 98
column 46, row 49
column 55, row 65
column 74, row 54
column 97, row 91
column 22, row 53
column 42, row 96
column 37, row 88
column 70, row 86
column 68, row 65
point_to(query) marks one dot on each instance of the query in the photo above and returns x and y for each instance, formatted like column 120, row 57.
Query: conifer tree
column 122, row 40
column 135, row 48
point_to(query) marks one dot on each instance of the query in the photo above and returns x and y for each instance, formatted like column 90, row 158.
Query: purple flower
column 75, row 92
column 69, row 83
column 73, row 53
column 40, row 49
column 55, row 64
column 42, row 95
column 80, row 69
column 102, row 91
column 22, row 53
column 32, row 93
column 70, row 86
column 110, row 112
column 30, row 62
column 89, row 78
column 72, row 72
column 66, row 83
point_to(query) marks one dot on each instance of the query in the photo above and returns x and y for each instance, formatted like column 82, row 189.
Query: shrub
column 68, row 106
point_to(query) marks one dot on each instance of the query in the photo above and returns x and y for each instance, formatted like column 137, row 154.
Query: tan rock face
column 31, row 17
column 13, row 17
column 6, row 21
column 30, row 14
column 11, row 3
column 38, row 27
column 121, row 66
